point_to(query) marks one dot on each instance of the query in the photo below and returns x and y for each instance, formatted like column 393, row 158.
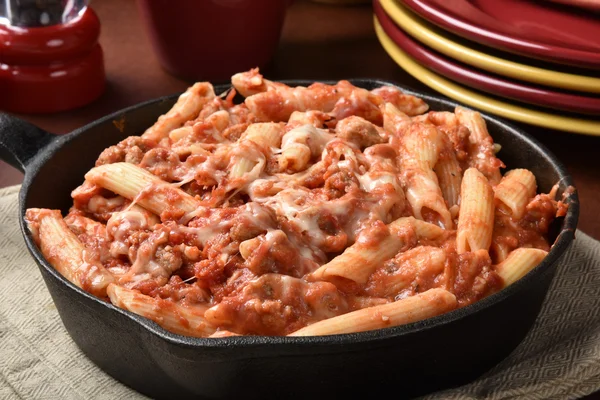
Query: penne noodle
column 406, row 103
column 299, row 145
column 359, row 261
column 359, row 131
column 476, row 215
column 416, row 263
column 263, row 135
column 63, row 250
column 449, row 176
column 218, row 121
column 314, row 118
column 483, row 156
column 266, row 134
column 499, row 250
column 444, row 119
column 143, row 188
column 419, row 151
column 246, row 163
column 425, row 230
column 250, row 83
column 248, row 246
column 476, row 124
column 518, row 263
column 242, row 166
column 151, row 219
column 295, row 157
column 411, row 309
column 188, row 106
column 395, row 122
column 182, row 319
column 180, row 133
column 515, row 190
column 195, row 148
column 280, row 101
column 79, row 224
column 448, row 172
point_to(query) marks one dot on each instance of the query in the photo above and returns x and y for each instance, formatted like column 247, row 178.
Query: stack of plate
column 530, row 61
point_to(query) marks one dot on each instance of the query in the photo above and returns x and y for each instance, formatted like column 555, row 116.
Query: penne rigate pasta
column 425, row 230
column 415, row 265
column 184, row 320
column 482, row 154
column 266, row 134
column 449, row 172
column 518, row 263
column 359, row 131
column 515, row 190
column 250, row 83
column 499, row 250
column 314, row 118
column 359, row 261
column 139, row 185
column 188, row 106
column 316, row 210
column 476, row 215
column 243, row 165
column 180, row 133
column 421, row 306
column 299, row 145
column 395, row 122
column 66, row 253
column 403, row 102
column 419, row 151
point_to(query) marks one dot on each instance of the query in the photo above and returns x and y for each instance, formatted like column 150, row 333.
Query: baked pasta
column 299, row 211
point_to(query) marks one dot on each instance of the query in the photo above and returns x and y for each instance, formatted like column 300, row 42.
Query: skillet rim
column 563, row 240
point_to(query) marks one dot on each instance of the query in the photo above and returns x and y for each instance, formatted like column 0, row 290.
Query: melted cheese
column 145, row 266
column 204, row 234
column 258, row 215
column 316, row 139
column 303, row 212
column 99, row 204
column 120, row 226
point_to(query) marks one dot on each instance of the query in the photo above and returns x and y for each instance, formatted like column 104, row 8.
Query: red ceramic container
column 53, row 68
column 212, row 40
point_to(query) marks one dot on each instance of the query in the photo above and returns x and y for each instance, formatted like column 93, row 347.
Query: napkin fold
column 559, row 358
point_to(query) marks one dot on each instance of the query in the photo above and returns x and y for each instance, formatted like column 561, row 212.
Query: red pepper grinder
column 50, row 59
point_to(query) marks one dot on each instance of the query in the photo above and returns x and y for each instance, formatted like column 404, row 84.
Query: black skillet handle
column 20, row 141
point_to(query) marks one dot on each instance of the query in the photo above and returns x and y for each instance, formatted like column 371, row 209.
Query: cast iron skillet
column 403, row 361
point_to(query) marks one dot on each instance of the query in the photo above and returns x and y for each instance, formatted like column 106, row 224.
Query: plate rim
column 479, row 101
column 476, row 79
column 434, row 38
column 500, row 40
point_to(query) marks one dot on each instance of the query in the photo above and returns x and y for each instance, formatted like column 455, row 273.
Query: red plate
column 479, row 80
column 538, row 29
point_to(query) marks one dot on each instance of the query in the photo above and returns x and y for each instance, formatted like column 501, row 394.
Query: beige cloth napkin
column 559, row 359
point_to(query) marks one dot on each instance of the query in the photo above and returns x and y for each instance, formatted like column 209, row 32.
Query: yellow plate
column 434, row 38
column 476, row 100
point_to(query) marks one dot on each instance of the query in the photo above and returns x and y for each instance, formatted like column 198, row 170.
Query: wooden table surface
column 318, row 42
